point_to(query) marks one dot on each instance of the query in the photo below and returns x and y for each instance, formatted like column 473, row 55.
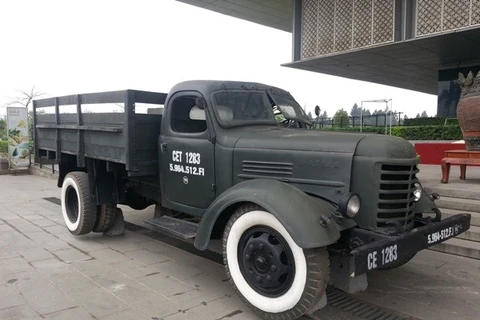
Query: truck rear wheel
column 274, row 276
column 79, row 213
column 105, row 217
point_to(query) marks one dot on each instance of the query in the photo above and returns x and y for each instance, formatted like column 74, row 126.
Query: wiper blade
column 304, row 120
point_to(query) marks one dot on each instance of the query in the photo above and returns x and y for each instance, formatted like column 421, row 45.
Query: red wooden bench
column 462, row 158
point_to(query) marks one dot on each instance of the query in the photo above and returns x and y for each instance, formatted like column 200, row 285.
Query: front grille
column 396, row 198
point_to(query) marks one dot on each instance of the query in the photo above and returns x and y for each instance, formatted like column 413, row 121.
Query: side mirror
column 201, row 103
column 317, row 111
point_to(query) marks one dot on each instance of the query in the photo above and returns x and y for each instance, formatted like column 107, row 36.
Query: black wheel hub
column 71, row 204
column 266, row 261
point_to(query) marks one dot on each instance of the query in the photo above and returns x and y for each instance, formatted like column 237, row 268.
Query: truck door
column 186, row 155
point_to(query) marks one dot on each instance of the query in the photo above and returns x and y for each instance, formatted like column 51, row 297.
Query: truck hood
column 300, row 140
column 317, row 162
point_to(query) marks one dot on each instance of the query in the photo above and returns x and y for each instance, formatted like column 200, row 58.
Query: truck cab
column 200, row 131
column 294, row 208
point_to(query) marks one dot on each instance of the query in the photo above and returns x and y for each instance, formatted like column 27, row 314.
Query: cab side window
column 187, row 117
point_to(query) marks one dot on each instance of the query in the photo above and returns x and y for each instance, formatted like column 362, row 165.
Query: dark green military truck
column 295, row 208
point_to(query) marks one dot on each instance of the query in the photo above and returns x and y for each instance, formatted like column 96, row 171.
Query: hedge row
column 433, row 121
column 452, row 132
column 3, row 147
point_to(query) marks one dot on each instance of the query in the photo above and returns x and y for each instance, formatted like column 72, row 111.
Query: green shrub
column 451, row 132
column 433, row 121
column 3, row 148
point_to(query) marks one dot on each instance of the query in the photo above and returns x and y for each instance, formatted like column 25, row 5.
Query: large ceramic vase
column 468, row 110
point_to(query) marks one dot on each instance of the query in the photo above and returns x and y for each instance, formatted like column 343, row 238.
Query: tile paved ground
column 47, row 273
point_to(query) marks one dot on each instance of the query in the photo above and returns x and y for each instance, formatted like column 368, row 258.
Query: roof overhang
column 412, row 64
column 272, row 13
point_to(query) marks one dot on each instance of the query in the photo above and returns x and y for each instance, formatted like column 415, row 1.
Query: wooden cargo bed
column 125, row 137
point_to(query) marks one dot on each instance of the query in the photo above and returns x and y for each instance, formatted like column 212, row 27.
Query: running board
column 178, row 227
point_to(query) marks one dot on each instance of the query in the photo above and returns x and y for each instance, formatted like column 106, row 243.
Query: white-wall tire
column 79, row 212
column 311, row 268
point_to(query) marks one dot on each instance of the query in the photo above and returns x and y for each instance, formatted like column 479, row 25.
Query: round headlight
column 349, row 205
column 417, row 193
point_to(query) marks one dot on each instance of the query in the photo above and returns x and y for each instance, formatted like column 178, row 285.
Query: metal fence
column 376, row 120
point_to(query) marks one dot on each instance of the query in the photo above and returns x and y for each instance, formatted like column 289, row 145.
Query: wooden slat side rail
column 77, row 127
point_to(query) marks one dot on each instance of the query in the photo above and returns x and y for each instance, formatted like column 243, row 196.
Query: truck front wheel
column 79, row 213
column 272, row 274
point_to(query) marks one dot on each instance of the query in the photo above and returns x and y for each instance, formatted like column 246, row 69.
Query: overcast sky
column 68, row 47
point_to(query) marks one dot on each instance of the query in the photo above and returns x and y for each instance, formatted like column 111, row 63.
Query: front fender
column 425, row 204
column 298, row 212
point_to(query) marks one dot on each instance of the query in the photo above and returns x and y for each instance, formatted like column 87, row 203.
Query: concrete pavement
column 47, row 273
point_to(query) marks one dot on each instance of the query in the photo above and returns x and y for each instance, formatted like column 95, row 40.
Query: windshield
column 288, row 109
column 235, row 108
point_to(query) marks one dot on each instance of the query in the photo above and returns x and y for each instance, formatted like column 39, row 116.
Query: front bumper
column 390, row 249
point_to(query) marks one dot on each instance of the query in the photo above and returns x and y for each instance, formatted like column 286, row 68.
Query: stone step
column 458, row 204
column 449, row 212
column 45, row 171
column 454, row 192
column 459, row 247
column 466, row 244
column 472, row 234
